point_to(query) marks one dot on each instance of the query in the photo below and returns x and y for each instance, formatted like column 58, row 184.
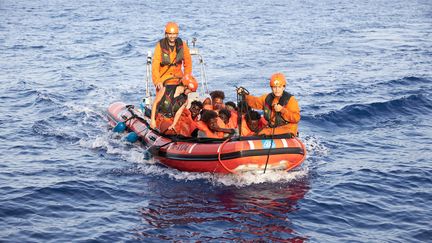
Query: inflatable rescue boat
column 230, row 155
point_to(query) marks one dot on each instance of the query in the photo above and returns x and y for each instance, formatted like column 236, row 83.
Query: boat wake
column 144, row 164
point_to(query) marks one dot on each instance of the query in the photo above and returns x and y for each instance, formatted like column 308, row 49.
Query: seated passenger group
column 212, row 118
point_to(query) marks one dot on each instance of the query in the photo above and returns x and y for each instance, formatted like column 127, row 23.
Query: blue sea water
column 361, row 71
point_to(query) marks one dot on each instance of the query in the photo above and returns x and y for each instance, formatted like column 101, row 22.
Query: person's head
column 277, row 84
column 210, row 119
column 225, row 115
column 252, row 120
column 195, row 108
column 231, row 106
column 217, row 97
column 190, row 83
column 171, row 32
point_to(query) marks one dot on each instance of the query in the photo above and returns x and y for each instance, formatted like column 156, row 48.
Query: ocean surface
column 361, row 71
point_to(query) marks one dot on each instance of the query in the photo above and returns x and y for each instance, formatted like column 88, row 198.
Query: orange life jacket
column 204, row 128
column 185, row 125
column 268, row 109
column 165, row 59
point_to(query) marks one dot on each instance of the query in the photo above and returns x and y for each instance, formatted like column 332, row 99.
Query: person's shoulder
column 185, row 44
column 293, row 99
column 263, row 96
column 158, row 45
column 291, row 96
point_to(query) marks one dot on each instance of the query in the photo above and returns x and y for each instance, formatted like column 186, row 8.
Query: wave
column 395, row 86
column 315, row 147
column 25, row 47
column 352, row 115
column 124, row 48
column 406, row 81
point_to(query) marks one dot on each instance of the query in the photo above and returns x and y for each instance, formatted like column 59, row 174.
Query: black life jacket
column 166, row 52
column 169, row 104
column 279, row 120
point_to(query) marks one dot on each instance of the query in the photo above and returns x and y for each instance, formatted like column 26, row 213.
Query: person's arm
column 187, row 64
column 202, row 127
column 291, row 111
column 233, row 119
column 156, row 67
column 177, row 116
column 154, row 107
column 225, row 130
column 255, row 102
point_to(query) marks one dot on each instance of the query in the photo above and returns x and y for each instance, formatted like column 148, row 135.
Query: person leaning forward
column 281, row 109
column 170, row 54
column 169, row 105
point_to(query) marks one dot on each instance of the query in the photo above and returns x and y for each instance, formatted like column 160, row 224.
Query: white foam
column 238, row 180
column 314, row 146
column 136, row 153
column 258, row 177
column 111, row 142
column 90, row 113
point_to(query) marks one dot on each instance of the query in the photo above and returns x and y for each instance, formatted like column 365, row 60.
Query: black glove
column 242, row 91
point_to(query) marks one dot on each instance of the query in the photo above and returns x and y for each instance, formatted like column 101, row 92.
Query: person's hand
column 153, row 124
column 242, row 91
column 170, row 127
column 159, row 86
column 277, row 107
column 236, row 132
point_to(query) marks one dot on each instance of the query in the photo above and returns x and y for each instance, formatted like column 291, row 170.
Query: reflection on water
column 225, row 214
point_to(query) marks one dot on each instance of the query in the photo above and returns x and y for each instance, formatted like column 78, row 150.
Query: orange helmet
column 277, row 79
column 171, row 28
column 190, row 82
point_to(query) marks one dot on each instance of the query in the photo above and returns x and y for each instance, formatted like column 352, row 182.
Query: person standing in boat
column 169, row 104
column 281, row 109
column 170, row 55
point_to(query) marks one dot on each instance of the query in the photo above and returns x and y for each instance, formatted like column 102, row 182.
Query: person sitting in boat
column 187, row 122
column 170, row 103
column 252, row 121
column 245, row 109
column 226, row 116
column 281, row 109
column 251, row 124
column 216, row 102
column 170, row 54
column 209, row 128
column 231, row 106
column 195, row 110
